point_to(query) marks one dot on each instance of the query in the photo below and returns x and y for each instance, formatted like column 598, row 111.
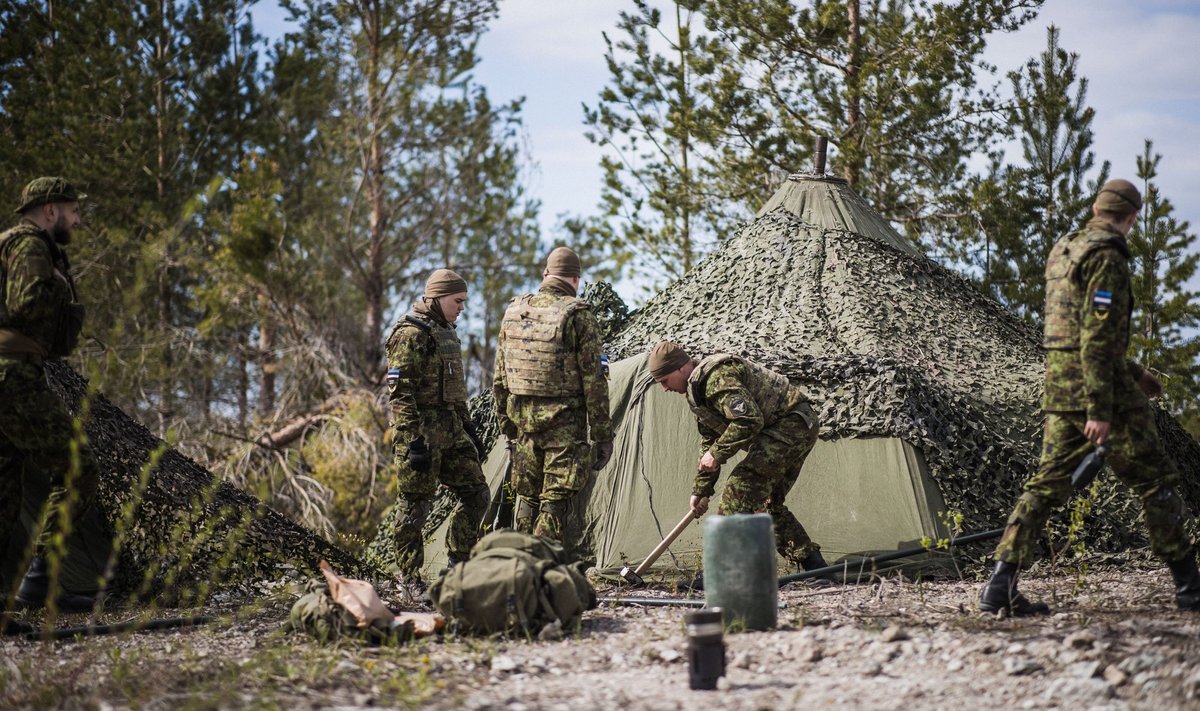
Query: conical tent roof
column 826, row 201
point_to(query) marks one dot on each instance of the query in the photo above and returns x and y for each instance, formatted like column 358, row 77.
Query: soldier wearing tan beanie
column 552, row 398
column 433, row 438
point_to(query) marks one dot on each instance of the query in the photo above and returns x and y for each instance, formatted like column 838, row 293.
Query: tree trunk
column 377, row 225
column 166, row 9
column 852, row 158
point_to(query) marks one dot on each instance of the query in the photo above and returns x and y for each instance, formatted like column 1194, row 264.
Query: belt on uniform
column 30, row 358
column 15, row 345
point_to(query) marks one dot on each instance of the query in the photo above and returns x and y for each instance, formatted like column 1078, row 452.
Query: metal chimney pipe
column 819, row 157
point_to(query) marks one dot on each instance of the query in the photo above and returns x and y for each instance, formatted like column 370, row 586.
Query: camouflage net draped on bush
column 888, row 343
column 183, row 533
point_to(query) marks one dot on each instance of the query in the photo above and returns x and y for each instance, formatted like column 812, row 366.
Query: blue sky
column 1141, row 58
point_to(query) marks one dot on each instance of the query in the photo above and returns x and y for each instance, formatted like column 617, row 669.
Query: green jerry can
column 740, row 574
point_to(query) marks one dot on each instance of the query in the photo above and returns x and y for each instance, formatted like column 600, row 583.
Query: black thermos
column 706, row 648
column 1087, row 470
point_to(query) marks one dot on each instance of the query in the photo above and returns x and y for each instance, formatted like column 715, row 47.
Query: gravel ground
column 1115, row 642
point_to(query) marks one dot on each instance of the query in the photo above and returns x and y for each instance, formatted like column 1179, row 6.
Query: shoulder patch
column 1101, row 303
column 393, row 375
column 738, row 406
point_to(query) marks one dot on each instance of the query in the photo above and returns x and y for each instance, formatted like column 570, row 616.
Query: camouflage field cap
column 1119, row 196
column 46, row 190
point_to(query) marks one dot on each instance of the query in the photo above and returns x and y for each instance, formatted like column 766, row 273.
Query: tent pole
column 884, row 557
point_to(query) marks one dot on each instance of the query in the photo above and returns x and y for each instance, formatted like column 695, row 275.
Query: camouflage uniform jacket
column 734, row 400
column 580, row 340
column 1089, row 302
column 39, row 314
column 425, row 379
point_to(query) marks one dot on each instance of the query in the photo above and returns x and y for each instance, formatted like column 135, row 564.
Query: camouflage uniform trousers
column 455, row 465
column 1135, row 454
column 550, row 468
column 765, row 476
column 36, row 434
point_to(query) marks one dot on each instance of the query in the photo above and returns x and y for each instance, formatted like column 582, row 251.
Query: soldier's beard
column 61, row 232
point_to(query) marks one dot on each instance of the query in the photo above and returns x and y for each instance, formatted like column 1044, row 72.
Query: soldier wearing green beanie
column 433, row 438
column 40, row 320
column 552, row 397
column 1095, row 396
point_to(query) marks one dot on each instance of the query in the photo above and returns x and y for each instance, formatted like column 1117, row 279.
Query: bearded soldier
column 551, row 395
column 1094, row 396
column 40, row 320
column 742, row 406
column 433, row 437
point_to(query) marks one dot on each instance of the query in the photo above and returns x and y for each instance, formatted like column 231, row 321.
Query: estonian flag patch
column 392, row 376
column 1101, row 302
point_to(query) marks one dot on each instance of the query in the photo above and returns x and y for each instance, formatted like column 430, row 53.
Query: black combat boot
column 11, row 626
column 1187, row 583
column 1000, row 593
column 813, row 560
column 35, row 591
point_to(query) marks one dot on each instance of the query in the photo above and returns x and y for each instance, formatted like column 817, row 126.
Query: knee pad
column 559, row 509
column 526, row 508
column 478, row 500
column 414, row 512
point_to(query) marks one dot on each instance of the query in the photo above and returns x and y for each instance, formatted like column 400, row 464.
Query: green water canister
column 740, row 575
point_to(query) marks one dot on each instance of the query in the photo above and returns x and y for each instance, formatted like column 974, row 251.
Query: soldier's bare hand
column 1096, row 431
column 1150, row 384
column 708, row 463
column 699, row 505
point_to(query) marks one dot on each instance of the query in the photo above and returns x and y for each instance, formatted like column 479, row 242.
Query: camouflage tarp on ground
column 190, row 533
column 886, row 342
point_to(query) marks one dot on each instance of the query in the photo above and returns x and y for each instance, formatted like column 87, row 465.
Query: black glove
column 476, row 440
column 604, row 452
column 419, row 456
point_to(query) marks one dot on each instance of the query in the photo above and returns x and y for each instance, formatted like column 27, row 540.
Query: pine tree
column 658, row 126
column 1048, row 194
column 892, row 84
column 1166, row 311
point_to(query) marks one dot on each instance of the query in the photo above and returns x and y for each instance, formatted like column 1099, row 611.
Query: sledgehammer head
column 632, row 577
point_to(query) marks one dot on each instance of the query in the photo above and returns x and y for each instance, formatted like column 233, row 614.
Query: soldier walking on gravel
column 433, row 437
column 742, row 406
column 40, row 320
column 551, row 396
column 1094, row 396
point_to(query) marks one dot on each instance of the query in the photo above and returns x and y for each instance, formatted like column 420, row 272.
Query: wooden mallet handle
column 666, row 542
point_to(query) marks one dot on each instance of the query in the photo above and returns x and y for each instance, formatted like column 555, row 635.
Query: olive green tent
column 854, row 495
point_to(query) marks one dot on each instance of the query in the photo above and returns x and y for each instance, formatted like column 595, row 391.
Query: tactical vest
column 768, row 388
column 64, row 335
column 450, row 385
column 1064, row 293
column 536, row 359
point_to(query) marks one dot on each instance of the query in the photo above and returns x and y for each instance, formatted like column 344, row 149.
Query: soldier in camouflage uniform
column 742, row 406
column 1095, row 396
column 40, row 320
column 551, row 395
column 432, row 435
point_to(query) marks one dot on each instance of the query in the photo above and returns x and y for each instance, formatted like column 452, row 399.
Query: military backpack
column 513, row 582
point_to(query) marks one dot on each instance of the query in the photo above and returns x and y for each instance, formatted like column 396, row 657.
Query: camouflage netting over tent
column 886, row 343
column 190, row 533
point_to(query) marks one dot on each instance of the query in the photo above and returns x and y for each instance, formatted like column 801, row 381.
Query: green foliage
column 1015, row 213
column 348, row 457
column 658, row 126
column 892, row 85
column 1166, row 311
